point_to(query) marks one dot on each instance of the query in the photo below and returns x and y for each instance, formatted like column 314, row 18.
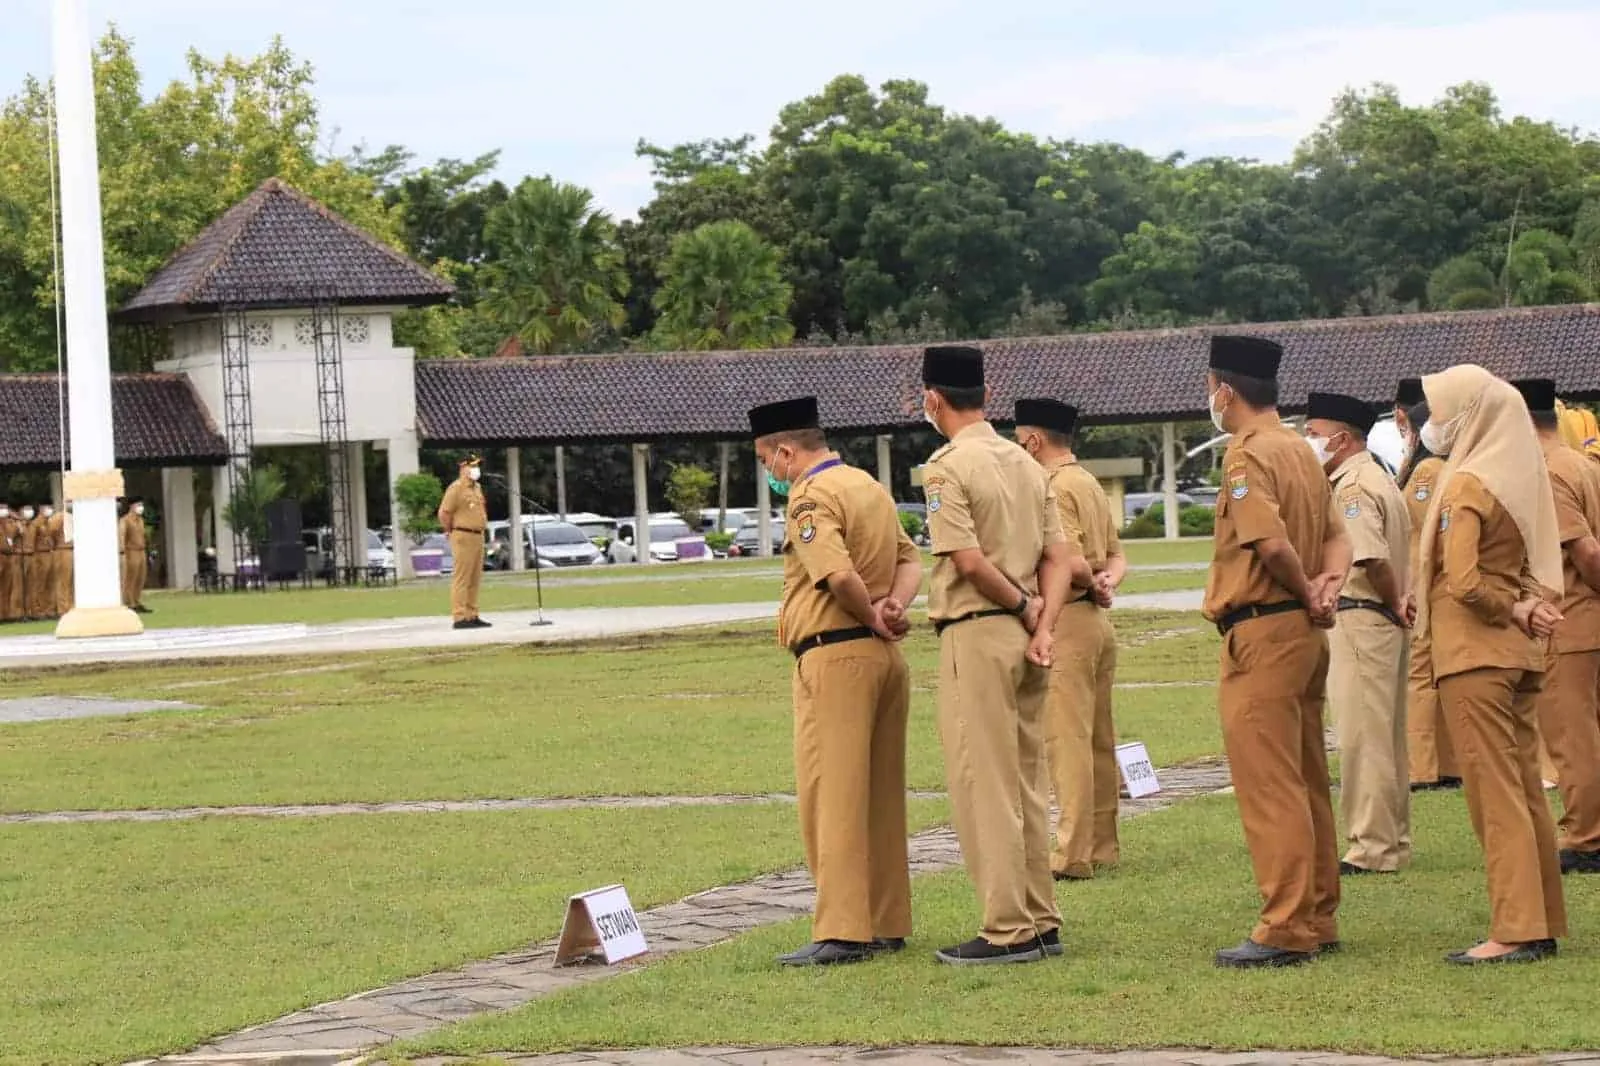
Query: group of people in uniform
column 37, row 560
column 1450, row 614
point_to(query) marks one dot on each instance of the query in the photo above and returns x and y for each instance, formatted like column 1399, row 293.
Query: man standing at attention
column 1569, row 707
column 463, row 517
column 1367, row 649
column 1000, row 577
column 135, row 561
column 1080, row 739
column 10, row 566
column 1276, row 527
column 849, row 573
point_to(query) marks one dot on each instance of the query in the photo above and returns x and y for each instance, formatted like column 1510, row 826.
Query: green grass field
column 683, row 714
column 1137, row 972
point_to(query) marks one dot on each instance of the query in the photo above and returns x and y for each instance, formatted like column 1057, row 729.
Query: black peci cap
column 784, row 416
column 1336, row 407
column 952, row 366
column 1047, row 414
column 1250, row 357
column 1538, row 393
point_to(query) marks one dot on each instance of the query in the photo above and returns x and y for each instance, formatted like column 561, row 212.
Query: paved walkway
column 509, row 627
column 945, row 1055
column 334, row 1032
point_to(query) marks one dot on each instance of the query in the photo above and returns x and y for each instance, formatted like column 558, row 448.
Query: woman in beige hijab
column 1490, row 564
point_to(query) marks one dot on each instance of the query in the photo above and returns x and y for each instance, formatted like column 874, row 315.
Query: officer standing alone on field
column 849, row 573
column 1569, row 707
column 1367, row 649
column 464, row 517
column 135, row 560
column 1000, row 577
column 1080, row 737
column 1281, row 556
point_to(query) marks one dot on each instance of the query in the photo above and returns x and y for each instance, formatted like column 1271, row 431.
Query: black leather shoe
column 142, row 609
column 888, row 943
column 1350, row 869
column 1449, row 782
column 979, row 952
column 1050, row 943
column 1072, row 877
column 478, row 623
column 1425, row 786
column 1532, row 951
column 1252, row 956
column 1580, row 862
column 827, row 953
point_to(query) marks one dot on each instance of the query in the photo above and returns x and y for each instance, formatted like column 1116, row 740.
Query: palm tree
column 554, row 274
column 721, row 288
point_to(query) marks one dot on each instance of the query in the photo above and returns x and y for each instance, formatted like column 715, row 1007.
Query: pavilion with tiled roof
column 267, row 263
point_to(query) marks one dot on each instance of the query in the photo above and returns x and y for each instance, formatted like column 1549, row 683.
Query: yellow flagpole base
column 116, row 621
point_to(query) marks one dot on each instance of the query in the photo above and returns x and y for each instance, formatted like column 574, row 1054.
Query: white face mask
column 927, row 416
column 1439, row 441
column 1216, row 415
column 1319, row 446
column 27, row 512
column 5, row 512
column 48, row 511
column 474, row 473
column 138, row 508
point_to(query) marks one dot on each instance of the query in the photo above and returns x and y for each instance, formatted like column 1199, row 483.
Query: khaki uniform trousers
column 1429, row 750
column 1273, row 683
column 1367, row 694
column 10, row 588
column 135, row 565
column 1492, row 720
column 991, row 725
column 466, row 549
column 65, row 560
column 1569, row 717
column 851, row 701
column 1081, row 741
column 41, row 584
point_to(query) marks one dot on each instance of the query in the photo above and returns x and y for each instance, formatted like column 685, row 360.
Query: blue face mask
column 777, row 485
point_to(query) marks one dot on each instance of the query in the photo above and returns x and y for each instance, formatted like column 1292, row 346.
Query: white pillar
column 561, row 482
column 402, row 452
column 641, row 504
column 358, row 501
column 763, row 512
column 885, row 464
column 1169, row 479
column 221, row 493
column 514, row 503
column 177, row 526
column 94, row 482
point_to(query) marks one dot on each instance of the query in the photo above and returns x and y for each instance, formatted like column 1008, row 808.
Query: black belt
column 942, row 624
column 1347, row 603
column 831, row 636
column 459, row 529
column 1256, row 610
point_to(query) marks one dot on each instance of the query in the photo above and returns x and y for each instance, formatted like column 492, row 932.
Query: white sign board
column 1137, row 773
column 600, row 926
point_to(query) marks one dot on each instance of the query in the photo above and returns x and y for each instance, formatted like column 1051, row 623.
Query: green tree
column 246, row 510
column 554, row 274
column 1461, row 284
column 419, row 496
column 688, row 490
column 721, row 289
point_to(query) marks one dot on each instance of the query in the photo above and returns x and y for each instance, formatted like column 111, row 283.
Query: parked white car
column 671, row 541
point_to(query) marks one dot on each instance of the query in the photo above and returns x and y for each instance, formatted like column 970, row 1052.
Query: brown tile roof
column 157, row 420
column 1140, row 376
column 279, row 248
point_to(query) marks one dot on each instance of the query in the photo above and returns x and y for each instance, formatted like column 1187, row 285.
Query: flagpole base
column 116, row 621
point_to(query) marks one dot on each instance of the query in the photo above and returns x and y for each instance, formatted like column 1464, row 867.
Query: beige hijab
column 1494, row 442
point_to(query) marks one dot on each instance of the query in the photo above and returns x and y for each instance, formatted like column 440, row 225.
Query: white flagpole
column 93, row 482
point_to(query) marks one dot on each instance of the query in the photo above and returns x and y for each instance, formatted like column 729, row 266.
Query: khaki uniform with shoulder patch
column 1080, row 736
column 1273, row 681
column 852, row 695
column 986, row 493
column 468, row 517
column 1430, row 755
column 1569, row 706
column 1367, row 673
column 10, row 569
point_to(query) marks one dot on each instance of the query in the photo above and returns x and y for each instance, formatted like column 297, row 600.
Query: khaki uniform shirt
column 1085, row 513
column 132, row 533
column 32, row 542
column 985, row 492
column 1480, row 571
column 10, row 536
column 1418, row 491
column 56, row 528
column 840, row 518
column 1575, row 484
column 463, row 502
column 1375, row 518
column 1273, row 488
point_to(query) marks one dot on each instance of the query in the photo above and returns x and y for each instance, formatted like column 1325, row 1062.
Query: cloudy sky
column 567, row 87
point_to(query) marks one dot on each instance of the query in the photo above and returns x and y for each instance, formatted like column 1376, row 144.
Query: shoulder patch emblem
column 1352, row 509
column 1444, row 519
column 801, row 508
column 1422, row 492
column 933, row 498
column 1238, row 486
column 807, row 528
